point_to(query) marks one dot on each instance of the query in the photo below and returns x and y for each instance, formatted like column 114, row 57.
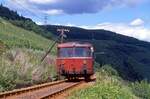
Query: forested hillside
column 22, row 22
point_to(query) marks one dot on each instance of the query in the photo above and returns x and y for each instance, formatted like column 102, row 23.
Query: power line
column 35, row 14
column 2, row 2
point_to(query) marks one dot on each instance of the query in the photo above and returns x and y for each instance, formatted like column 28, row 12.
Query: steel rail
column 55, row 93
column 42, row 91
column 4, row 95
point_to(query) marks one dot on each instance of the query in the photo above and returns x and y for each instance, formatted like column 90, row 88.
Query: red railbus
column 75, row 59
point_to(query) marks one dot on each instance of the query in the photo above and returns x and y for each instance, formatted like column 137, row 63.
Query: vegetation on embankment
column 2, row 47
column 109, row 85
column 14, row 36
column 22, row 67
column 20, row 54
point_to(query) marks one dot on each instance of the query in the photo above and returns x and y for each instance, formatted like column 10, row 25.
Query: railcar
column 75, row 60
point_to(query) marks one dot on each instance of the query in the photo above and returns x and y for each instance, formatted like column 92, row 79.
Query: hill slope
column 20, row 21
column 131, row 57
column 14, row 36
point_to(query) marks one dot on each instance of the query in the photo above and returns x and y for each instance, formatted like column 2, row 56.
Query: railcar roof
column 76, row 44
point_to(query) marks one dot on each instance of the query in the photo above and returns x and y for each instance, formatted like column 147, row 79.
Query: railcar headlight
column 84, row 62
column 63, row 62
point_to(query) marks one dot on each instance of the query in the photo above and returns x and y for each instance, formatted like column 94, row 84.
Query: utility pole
column 45, row 20
column 62, row 31
column 93, row 36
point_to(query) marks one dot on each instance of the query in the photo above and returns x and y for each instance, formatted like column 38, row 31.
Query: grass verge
column 108, row 86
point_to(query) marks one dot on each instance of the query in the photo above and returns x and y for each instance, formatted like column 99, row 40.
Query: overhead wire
column 2, row 2
column 31, row 12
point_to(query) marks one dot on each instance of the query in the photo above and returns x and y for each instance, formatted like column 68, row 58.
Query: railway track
column 44, row 91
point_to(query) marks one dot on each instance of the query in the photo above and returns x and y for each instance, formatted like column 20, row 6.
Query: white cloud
column 137, row 22
column 70, row 24
column 43, row 1
column 54, row 12
column 39, row 23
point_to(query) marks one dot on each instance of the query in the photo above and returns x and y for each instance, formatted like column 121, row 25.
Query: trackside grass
column 22, row 67
column 108, row 86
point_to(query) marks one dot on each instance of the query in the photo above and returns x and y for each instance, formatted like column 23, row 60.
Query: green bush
column 109, row 70
column 104, row 90
column 8, row 74
column 141, row 89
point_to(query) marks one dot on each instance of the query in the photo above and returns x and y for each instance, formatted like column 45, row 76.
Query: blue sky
column 127, row 17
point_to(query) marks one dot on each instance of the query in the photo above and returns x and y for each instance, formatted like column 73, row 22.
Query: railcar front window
column 66, row 52
column 74, row 52
column 82, row 52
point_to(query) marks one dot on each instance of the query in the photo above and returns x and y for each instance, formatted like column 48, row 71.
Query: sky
column 126, row 17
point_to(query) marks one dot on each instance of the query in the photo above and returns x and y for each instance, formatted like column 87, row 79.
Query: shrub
column 22, row 67
column 141, row 89
column 108, row 70
column 8, row 74
column 104, row 90
column 2, row 47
